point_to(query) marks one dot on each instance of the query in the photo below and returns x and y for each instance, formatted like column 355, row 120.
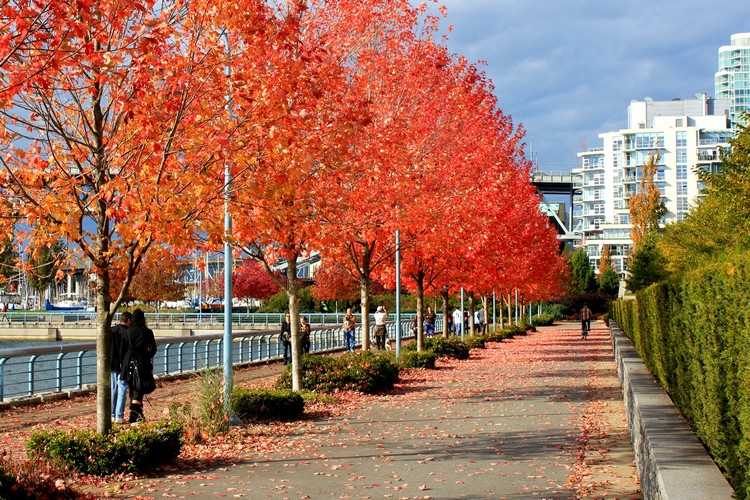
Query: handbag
column 140, row 378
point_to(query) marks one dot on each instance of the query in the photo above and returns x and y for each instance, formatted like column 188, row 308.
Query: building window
column 681, row 139
column 682, row 172
column 681, row 155
column 682, row 188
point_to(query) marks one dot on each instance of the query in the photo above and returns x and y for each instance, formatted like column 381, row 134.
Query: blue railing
column 19, row 318
column 26, row 372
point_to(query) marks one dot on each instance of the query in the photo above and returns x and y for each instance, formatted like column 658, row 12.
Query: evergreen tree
column 609, row 282
column 646, row 266
column 584, row 279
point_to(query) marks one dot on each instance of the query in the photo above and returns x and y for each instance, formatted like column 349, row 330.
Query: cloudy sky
column 567, row 70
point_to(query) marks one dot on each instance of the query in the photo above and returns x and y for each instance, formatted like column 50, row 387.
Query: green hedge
column 452, row 347
column 694, row 336
column 266, row 404
column 135, row 449
column 361, row 371
column 414, row 359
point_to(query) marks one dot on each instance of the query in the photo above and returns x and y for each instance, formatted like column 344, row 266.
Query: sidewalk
column 539, row 416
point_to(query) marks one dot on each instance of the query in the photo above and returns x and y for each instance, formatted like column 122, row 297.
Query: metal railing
column 23, row 318
column 26, row 372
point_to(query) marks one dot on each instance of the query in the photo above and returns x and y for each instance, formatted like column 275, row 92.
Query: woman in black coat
column 141, row 346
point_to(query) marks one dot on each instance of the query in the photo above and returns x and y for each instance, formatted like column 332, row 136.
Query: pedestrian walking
column 118, row 384
column 304, row 335
column 585, row 321
column 285, row 338
column 458, row 321
column 380, row 332
column 482, row 321
column 141, row 350
column 429, row 322
column 350, row 325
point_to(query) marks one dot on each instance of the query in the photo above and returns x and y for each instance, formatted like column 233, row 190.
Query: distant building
column 685, row 134
column 733, row 78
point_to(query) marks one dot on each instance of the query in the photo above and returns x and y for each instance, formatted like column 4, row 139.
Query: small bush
column 265, row 404
column 452, row 347
column 543, row 320
column 511, row 331
column 136, row 449
column 494, row 337
column 414, row 359
column 476, row 341
column 363, row 371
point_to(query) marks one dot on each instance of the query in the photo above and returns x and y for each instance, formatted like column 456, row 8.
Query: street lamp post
column 228, row 341
column 398, row 294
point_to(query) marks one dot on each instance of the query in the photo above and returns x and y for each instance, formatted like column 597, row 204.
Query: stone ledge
column 672, row 463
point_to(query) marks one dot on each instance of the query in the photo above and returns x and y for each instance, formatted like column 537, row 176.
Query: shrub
column 543, row 320
column 527, row 327
column 363, row 371
column 265, row 404
column 557, row 311
column 692, row 332
column 497, row 336
column 136, row 449
column 452, row 347
column 476, row 341
column 414, row 359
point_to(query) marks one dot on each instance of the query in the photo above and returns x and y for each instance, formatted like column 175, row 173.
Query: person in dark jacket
column 286, row 338
column 304, row 335
column 141, row 346
column 116, row 352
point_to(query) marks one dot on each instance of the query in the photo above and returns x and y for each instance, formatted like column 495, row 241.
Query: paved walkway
column 539, row 416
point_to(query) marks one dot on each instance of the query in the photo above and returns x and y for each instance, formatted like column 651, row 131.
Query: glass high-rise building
column 733, row 78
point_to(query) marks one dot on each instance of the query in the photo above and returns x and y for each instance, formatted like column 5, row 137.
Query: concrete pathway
column 539, row 416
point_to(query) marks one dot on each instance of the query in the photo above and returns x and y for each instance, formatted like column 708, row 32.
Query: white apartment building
column 732, row 81
column 686, row 135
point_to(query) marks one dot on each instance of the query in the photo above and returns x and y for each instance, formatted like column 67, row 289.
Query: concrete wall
column 672, row 463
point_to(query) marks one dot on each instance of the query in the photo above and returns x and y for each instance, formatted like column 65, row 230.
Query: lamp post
column 398, row 294
column 463, row 324
column 228, row 341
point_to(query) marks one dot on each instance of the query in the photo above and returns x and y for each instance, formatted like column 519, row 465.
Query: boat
column 68, row 302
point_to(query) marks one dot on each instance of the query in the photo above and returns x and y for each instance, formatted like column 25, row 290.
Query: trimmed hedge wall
column 694, row 336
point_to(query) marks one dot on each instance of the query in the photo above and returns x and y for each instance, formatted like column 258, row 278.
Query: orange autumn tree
column 646, row 206
column 116, row 145
column 387, row 155
column 298, row 120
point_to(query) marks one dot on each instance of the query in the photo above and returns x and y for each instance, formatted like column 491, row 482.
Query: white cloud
column 567, row 70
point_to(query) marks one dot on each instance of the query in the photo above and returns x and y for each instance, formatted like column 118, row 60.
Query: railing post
column 31, row 374
column 58, row 371
column 2, row 379
column 79, row 369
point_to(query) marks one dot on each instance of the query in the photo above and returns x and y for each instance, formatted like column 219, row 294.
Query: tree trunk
column 292, row 289
column 103, row 366
column 471, row 314
column 510, row 312
column 364, row 296
column 486, row 308
column 500, row 309
column 446, row 313
column 420, row 316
